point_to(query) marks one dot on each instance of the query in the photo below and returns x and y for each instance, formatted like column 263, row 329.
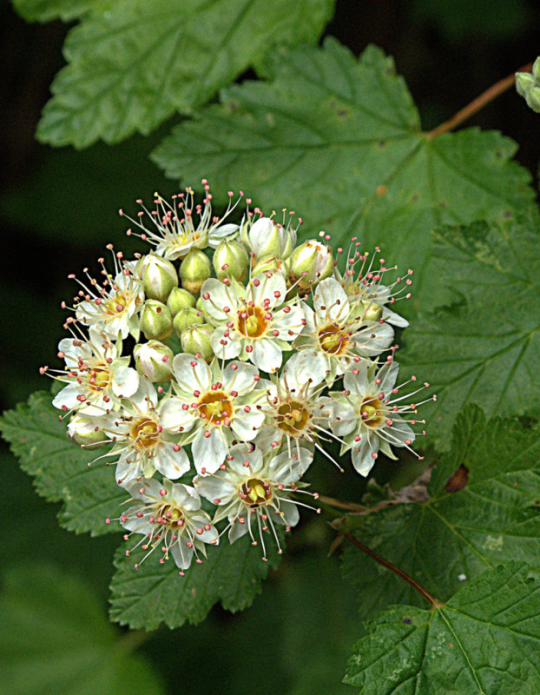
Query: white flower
column 176, row 231
column 339, row 331
column 112, row 307
column 252, row 323
column 294, row 412
column 370, row 414
column 252, row 491
column 96, row 374
column 170, row 518
column 213, row 407
column 364, row 285
column 143, row 439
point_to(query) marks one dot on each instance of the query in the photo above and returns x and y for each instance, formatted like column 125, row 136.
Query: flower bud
column 269, row 263
column 366, row 310
column 197, row 340
column 186, row 318
column 309, row 264
column 268, row 238
column 158, row 275
column 156, row 320
column 84, row 432
column 194, row 270
column 528, row 86
column 180, row 299
column 153, row 360
column 231, row 261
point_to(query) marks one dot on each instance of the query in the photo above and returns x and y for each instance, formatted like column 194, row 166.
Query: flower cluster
column 217, row 364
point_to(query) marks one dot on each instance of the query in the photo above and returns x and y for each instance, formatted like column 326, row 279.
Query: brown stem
column 434, row 603
column 339, row 504
column 477, row 104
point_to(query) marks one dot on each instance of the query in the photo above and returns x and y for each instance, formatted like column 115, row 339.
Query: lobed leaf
column 134, row 63
column 47, row 10
column 61, row 471
column 55, row 637
column 156, row 594
column 493, row 517
column 484, row 641
column 486, row 348
column 339, row 140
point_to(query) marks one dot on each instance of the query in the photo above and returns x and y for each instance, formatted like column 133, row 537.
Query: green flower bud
column 84, row 432
column 231, row 261
column 197, row 340
column 269, row 263
column 156, row 320
column 528, row 86
column 158, row 275
column 366, row 310
column 153, row 360
column 309, row 264
column 186, row 318
column 265, row 237
column 194, row 270
column 180, row 299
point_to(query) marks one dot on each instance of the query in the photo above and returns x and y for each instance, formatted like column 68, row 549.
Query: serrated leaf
column 156, row 594
column 47, row 10
column 454, row 536
column 136, row 62
column 339, row 140
column 484, row 641
column 485, row 349
column 38, row 439
column 54, row 637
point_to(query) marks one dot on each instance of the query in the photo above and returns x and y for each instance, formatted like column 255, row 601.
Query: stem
column 478, row 103
column 434, row 603
column 339, row 504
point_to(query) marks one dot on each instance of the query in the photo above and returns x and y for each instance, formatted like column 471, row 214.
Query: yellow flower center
column 293, row 417
column 215, row 407
column 371, row 412
column 252, row 322
column 256, row 492
column 145, row 433
column 171, row 515
column 333, row 339
column 99, row 377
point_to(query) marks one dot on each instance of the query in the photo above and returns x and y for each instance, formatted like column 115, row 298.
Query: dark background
column 58, row 208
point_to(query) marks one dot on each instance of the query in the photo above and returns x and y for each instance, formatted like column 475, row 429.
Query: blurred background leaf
column 55, row 637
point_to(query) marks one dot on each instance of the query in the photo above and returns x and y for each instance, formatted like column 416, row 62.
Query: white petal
column 358, row 383
column 246, row 426
column 267, row 355
column 218, row 233
column 331, row 300
column 128, row 472
column 215, row 487
column 182, row 555
column 170, row 463
column 393, row 318
column 273, row 288
column 173, row 417
column 306, row 365
column 259, row 233
column 145, row 398
column 226, row 350
column 125, row 381
column 239, row 377
column 373, row 339
column 361, row 454
column 209, row 452
column 388, row 374
column 220, row 297
column 192, row 374
column 240, row 454
column 186, row 496
column 67, row 398
column 291, row 515
column 237, row 530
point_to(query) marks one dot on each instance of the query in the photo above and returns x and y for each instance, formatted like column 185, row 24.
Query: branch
column 477, row 104
column 434, row 603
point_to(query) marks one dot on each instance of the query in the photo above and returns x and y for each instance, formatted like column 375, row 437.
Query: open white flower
column 252, row 323
column 96, row 374
column 266, row 237
column 176, row 231
column 170, row 518
column 213, row 407
column 363, row 284
column 112, row 307
column 143, row 440
column 370, row 411
column 252, row 491
column 339, row 331
column 295, row 415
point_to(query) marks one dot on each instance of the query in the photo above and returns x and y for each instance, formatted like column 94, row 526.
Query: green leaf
column 135, row 62
column 38, row 439
column 484, row 641
column 46, row 10
column 454, row 536
column 338, row 140
column 485, row 349
column 55, row 637
column 156, row 594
